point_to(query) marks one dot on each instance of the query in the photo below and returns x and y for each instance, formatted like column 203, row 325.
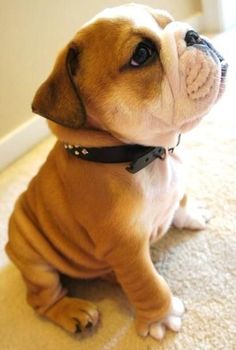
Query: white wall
column 32, row 32
column 218, row 14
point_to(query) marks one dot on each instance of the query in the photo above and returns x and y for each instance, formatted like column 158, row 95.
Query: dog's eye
column 143, row 52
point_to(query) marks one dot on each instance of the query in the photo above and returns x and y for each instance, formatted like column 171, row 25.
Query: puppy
column 120, row 94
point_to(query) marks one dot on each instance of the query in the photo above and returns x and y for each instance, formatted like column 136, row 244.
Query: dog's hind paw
column 74, row 315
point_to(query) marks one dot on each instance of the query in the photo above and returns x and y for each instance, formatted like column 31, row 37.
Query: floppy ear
column 58, row 98
column 162, row 17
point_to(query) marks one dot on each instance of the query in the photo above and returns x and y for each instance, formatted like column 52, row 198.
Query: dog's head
column 134, row 72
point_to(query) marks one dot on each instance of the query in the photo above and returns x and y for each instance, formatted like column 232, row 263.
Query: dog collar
column 139, row 156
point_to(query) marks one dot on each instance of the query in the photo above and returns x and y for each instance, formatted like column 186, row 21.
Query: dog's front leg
column 156, row 308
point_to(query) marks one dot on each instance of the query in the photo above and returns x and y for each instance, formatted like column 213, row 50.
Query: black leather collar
column 139, row 156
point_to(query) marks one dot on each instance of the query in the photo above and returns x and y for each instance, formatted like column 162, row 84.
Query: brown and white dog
column 131, row 76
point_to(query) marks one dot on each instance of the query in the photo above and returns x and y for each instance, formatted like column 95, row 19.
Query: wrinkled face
column 139, row 74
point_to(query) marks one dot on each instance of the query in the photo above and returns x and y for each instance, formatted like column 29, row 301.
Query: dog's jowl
column 121, row 93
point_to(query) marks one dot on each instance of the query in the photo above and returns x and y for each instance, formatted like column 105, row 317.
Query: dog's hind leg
column 44, row 289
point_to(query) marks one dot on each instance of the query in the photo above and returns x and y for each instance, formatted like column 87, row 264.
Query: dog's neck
column 85, row 137
column 101, row 138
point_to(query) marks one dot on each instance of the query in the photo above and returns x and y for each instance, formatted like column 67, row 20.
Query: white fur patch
column 192, row 217
column 172, row 321
column 137, row 14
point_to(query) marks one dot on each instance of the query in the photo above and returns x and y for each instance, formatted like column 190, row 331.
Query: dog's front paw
column 193, row 217
column 172, row 321
column 74, row 315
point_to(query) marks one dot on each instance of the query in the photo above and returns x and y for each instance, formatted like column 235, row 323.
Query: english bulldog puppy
column 119, row 96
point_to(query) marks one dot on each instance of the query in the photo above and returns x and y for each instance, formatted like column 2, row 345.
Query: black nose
column 192, row 38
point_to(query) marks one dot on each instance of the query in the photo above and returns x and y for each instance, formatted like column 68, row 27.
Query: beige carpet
column 200, row 267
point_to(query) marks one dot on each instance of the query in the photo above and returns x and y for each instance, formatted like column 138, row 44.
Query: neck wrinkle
column 167, row 140
column 99, row 138
column 84, row 137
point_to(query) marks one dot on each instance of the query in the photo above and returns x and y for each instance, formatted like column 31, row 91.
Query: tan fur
column 87, row 219
column 184, row 200
column 60, row 225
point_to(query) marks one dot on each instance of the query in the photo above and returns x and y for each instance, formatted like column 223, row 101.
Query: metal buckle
column 146, row 159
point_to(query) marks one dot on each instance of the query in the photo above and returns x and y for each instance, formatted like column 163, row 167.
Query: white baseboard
column 22, row 139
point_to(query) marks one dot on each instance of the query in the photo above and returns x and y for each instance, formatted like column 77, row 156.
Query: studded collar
column 137, row 155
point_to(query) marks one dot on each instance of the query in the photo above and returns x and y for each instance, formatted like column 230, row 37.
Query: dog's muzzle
column 192, row 38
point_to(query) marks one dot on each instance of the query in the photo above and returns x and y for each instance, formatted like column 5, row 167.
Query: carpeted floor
column 200, row 267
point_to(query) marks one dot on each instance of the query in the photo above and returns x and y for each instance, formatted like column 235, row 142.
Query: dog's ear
column 58, row 98
column 162, row 17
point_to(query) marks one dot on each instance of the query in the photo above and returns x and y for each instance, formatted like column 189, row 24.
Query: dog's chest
column 162, row 189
